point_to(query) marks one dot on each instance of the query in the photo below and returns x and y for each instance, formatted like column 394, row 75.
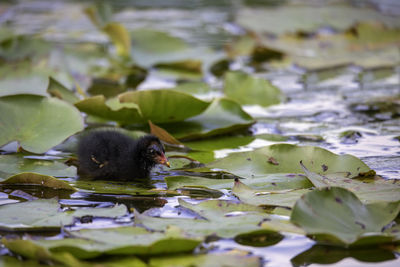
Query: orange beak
column 163, row 160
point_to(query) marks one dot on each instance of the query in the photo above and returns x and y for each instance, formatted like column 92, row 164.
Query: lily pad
column 224, row 219
column 275, row 198
column 222, row 116
column 31, row 178
column 120, row 37
column 110, row 109
column 248, row 90
column 286, row 159
column 305, row 18
column 38, row 123
column 113, row 187
column 92, row 243
column 161, row 106
column 12, row 164
column 56, row 89
column 336, row 216
column 208, row 260
column 377, row 190
column 278, row 181
column 45, row 214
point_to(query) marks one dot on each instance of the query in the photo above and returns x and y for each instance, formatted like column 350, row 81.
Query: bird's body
column 110, row 154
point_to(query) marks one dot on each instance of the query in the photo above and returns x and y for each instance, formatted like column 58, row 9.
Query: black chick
column 111, row 154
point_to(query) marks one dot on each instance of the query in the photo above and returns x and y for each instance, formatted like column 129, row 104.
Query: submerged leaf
column 38, row 123
column 336, row 216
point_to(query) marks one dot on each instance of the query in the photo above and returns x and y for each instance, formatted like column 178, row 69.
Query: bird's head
column 154, row 150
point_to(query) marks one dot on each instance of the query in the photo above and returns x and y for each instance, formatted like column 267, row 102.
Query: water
column 316, row 106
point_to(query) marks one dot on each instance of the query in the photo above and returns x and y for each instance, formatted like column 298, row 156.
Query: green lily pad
column 44, row 214
column 294, row 18
column 156, row 42
column 222, row 116
column 21, row 80
column 150, row 46
column 113, row 187
column 56, row 89
column 161, row 106
column 193, row 88
column 278, row 181
column 12, row 164
column 336, row 216
column 285, row 158
column 227, row 260
column 92, row 243
column 212, row 209
column 30, row 178
column 224, row 219
column 110, row 109
column 22, row 47
column 275, row 198
column 378, row 190
column 249, row 90
column 38, row 123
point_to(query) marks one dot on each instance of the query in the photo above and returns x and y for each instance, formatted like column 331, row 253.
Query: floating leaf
column 56, row 89
column 249, row 90
column 221, row 219
column 278, row 181
column 92, row 243
column 378, row 190
column 336, row 216
column 185, row 65
column 222, row 116
column 107, row 87
column 163, row 134
column 114, row 187
column 227, row 260
column 294, row 18
column 120, row 37
column 255, row 163
column 13, row 164
column 30, row 178
column 44, row 214
column 275, row 198
column 164, row 105
column 38, row 123
column 110, row 109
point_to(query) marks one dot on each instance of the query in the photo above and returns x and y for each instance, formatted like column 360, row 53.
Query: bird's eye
column 151, row 151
